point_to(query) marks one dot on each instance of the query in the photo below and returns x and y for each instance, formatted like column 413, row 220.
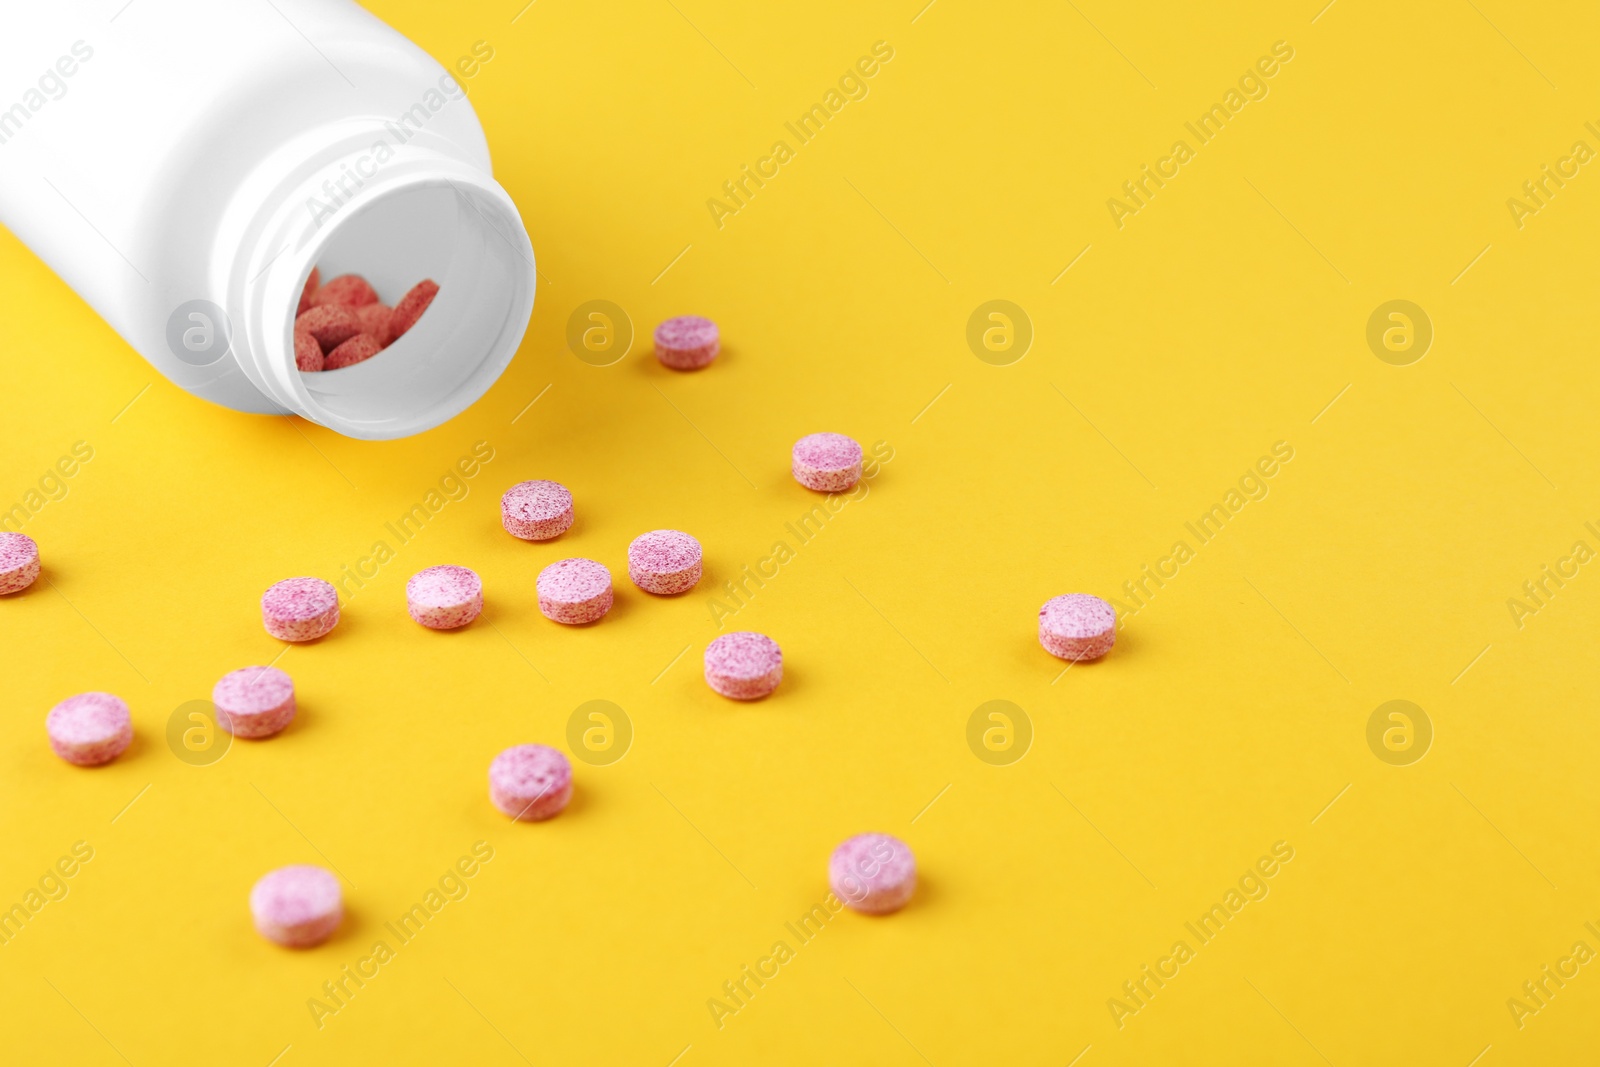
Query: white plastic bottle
column 183, row 164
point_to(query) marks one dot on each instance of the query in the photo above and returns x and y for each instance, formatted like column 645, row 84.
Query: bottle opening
column 464, row 235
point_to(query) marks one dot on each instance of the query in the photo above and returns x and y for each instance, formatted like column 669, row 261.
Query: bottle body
column 184, row 165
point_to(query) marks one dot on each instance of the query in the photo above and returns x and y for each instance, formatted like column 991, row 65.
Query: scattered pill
column 664, row 561
column 362, row 346
column 574, row 591
column 254, row 701
column 827, row 462
column 744, row 665
column 873, row 873
column 89, row 729
column 530, row 782
column 376, row 319
column 19, row 562
column 300, row 609
column 313, row 283
column 536, row 511
column 687, row 342
column 307, row 353
column 297, row 906
column 1077, row 626
column 347, row 290
column 331, row 325
column 411, row 307
column 443, row 598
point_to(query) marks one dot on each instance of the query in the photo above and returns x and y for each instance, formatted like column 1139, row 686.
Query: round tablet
column 89, row 729
column 536, row 511
column 347, row 290
column 376, row 319
column 664, row 561
column 687, row 342
column 873, row 873
column 297, row 906
column 307, row 353
column 254, row 701
column 411, row 307
column 574, row 591
column 300, row 609
column 1077, row 626
column 829, row 462
column 331, row 324
column 530, row 782
column 19, row 562
column 360, row 348
column 442, row 598
column 744, row 665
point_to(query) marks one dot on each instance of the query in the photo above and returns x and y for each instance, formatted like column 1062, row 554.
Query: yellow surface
column 1224, row 316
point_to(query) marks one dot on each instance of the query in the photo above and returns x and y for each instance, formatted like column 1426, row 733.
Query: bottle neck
column 354, row 199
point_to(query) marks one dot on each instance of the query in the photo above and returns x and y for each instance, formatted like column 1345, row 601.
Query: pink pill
column 1077, row 626
column 358, row 349
column 347, row 290
column 828, row 462
column 664, row 561
column 687, row 342
column 411, row 307
column 89, row 729
column 744, row 665
column 530, row 782
column 442, row 598
column 307, row 353
column 254, row 701
column 873, row 873
column 300, row 609
column 331, row 324
column 19, row 562
column 536, row 511
column 574, row 591
column 377, row 320
column 297, row 906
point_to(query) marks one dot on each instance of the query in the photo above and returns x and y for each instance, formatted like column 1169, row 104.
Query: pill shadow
column 352, row 928
column 1124, row 648
column 621, row 607
column 578, row 803
column 135, row 748
column 792, row 681
column 38, row 583
column 643, row 356
column 344, row 625
column 928, row 893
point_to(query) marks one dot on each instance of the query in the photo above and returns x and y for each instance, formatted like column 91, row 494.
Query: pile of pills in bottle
column 342, row 323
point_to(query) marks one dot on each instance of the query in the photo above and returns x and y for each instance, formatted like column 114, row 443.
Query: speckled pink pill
column 873, row 873
column 1077, row 626
column 574, row 591
column 443, row 598
column 90, row 728
column 536, row 511
column 254, row 701
column 827, row 462
column 744, row 665
column 687, row 342
column 530, row 782
column 664, row 562
column 297, row 906
column 19, row 562
column 300, row 609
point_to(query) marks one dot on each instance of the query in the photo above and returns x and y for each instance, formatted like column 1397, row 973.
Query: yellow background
column 1223, row 317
